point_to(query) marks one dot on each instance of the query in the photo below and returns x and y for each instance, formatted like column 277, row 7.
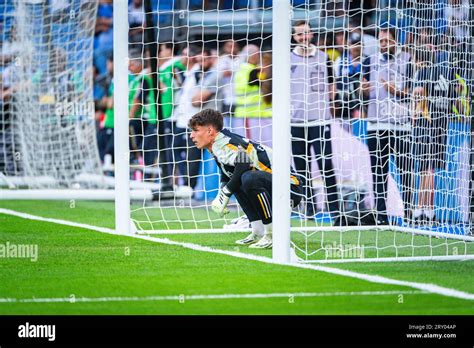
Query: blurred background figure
column 136, row 22
column 227, row 66
column 386, row 82
column 143, row 115
column 348, row 73
column 106, row 103
column 252, row 117
column 199, row 91
column 457, row 14
column 103, row 41
column 312, row 95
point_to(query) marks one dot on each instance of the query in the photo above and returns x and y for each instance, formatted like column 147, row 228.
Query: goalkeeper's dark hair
column 207, row 117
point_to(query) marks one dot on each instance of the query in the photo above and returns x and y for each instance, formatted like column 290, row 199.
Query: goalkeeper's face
column 203, row 136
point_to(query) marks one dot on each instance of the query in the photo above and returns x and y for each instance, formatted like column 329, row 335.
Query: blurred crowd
column 364, row 69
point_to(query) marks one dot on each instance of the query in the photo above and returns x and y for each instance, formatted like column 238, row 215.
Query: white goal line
column 303, row 230
column 183, row 298
column 432, row 288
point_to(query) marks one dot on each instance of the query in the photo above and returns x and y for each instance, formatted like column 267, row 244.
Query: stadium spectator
column 103, row 41
column 252, row 117
column 99, row 88
column 136, row 21
column 165, row 53
column 335, row 44
column 56, row 80
column 8, row 164
column 9, row 48
column 359, row 11
column 170, row 71
column 348, row 73
column 429, row 39
column 370, row 44
column 198, row 92
column 142, row 114
column 102, row 82
column 445, row 87
column 172, row 76
column 457, row 14
column 312, row 91
column 387, row 84
column 333, row 8
column 245, row 172
column 227, row 66
column 423, row 131
column 8, row 82
column 463, row 88
column 266, row 79
column 106, row 133
column 99, row 92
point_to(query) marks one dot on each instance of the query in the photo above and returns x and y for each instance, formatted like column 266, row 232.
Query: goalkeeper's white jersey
column 226, row 147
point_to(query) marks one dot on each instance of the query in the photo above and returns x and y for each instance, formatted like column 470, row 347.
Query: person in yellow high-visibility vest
column 462, row 104
column 463, row 113
column 253, row 114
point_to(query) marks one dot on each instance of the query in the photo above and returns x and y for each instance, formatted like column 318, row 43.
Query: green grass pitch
column 124, row 275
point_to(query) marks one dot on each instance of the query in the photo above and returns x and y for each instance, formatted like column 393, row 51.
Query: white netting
column 392, row 145
column 200, row 52
column 48, row 125
column 380, row 93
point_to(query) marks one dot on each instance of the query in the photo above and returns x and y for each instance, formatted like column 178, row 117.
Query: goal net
column 380, row 116
column 381, row 120
column 48, row 136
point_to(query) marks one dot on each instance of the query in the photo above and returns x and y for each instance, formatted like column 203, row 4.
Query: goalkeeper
column 246, row 174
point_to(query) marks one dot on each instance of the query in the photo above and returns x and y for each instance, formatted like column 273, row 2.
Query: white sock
column 268, row 228
column 429, row 213
column 258, row 227
column 417, row 212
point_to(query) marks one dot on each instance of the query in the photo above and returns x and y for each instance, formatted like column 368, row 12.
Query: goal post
column 342, row 217
column 372, row 108
column 121, row 120
column 281, row 116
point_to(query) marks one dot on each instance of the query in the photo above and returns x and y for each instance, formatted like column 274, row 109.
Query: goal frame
column 282, row 229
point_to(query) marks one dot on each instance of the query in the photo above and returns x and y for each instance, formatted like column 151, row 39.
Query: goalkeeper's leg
column 255, row 200
column 255, row 221
column 257, row 187
column 260, row 200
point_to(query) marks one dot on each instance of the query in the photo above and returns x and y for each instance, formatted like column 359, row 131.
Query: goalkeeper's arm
column 242, row 164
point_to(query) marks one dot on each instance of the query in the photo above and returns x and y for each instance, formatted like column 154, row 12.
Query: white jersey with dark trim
column 226, row 146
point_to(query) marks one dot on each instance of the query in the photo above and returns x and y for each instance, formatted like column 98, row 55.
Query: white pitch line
column 432, row 288
column 184, row 298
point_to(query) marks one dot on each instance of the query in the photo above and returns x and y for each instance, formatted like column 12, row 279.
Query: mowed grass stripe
column 371, row 278
column 76, row 262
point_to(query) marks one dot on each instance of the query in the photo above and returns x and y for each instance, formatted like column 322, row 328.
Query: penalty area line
column 183, row 297
column 432, row 288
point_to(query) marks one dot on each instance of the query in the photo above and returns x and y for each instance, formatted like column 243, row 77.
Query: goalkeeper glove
column 219, row 204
